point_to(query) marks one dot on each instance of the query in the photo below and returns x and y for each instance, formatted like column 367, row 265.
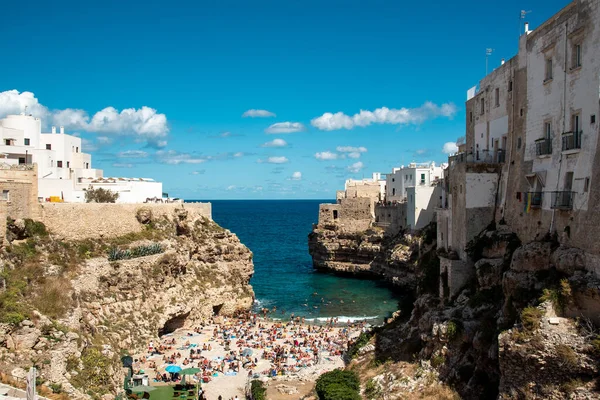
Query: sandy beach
column 232, row 351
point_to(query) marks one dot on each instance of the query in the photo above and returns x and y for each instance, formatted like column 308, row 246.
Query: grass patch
column 560, row 296
column 531, row 318
column 566, row 356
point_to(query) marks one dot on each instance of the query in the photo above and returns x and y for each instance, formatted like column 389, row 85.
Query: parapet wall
column 96, row 220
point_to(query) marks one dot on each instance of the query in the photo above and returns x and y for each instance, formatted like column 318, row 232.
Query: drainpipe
column 512, row 138
column 564, row 121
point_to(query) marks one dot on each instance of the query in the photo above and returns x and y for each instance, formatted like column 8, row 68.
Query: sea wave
column 342, row 319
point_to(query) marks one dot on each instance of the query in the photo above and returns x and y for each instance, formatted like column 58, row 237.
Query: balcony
column 536, row 199
column 571, row 140
column 562, row 200
column 543, row 147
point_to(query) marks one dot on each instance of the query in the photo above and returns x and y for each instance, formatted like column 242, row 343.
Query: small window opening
column 335, row 214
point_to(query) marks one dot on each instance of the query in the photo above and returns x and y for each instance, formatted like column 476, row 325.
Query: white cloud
column 238, row 154
column 350, row 149
column 384, row 115
column 258, row 114
column 13, row 102
column 120, row 165
column 103, row 140
column 275, row 143
column 356, row 167
column 275, row 160
column 354, row 154
column 450, row 148
column 132, row 154
column 199, row 172
column 144, row 123
column 175, row 158
column 296, row 176
column 285, row 127
column 326, row 155
column 231, row 187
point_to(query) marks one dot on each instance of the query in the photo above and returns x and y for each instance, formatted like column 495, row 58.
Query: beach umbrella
column 189, row 371
column 247, row 352
column 143, row 388
column 173, row 369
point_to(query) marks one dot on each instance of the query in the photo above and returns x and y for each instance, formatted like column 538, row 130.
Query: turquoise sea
column 277, row 233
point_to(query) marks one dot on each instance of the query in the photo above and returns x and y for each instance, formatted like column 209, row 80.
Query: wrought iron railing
column 543, row 147
column 571, row 140
column 562, row 200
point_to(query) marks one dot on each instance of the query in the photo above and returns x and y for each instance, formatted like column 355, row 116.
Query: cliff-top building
column 531, row 145
column 64, row 171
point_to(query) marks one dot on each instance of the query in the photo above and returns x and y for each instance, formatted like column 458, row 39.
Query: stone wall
column 391, row 217
column 454, row 274
column 95, row 220
column 21, row 181
column 352, row 215
column 3, row 215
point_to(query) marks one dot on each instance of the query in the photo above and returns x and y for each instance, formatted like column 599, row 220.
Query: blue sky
column 186, row 73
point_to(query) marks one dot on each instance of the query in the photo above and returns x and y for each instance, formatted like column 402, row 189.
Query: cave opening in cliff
column 173, row 324
column 217, row 309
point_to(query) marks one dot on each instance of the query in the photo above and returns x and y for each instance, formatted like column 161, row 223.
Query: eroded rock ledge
column 73, row 312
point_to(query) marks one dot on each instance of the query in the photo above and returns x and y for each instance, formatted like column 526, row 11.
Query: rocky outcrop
column 480, row 340
column 368, row 254
column 94, row 309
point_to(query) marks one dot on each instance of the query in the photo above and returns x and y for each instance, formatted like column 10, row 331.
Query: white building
column 421, row 204
column 64, row 171
column 398, row 182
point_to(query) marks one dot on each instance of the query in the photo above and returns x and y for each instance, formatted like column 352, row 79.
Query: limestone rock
column 489, row 272
column 534, row 256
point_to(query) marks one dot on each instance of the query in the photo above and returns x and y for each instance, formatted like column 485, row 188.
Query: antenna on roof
column 522, row 16
column 488, row 53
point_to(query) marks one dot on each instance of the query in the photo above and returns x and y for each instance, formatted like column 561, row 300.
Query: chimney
column 502, row 62
column 527, row 28
column 53, row 129
column 62, row 130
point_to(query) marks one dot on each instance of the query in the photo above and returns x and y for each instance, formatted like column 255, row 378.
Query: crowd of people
column 248, row 345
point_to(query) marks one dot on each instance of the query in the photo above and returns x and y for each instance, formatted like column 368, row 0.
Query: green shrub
column 338, row 385
column 438, row 361
column 531, row 318
column 114, row 254
column 560, row 297
column 372, row 390
column 258, row 390
column 566, row 356
column 100, row 195
column 34, row 228
column 452, row 329
column 360, row 342
column 94, row 377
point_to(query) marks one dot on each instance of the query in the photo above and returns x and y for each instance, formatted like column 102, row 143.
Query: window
column 575, row 125
column 497, row 97
column 576, row 56
column 422, row 179
column 510, row 86
column 393, row 180
column 68, row 164
column 521, row 112
column 5, row 195
column 393, row 191
column 518, row 143
column 586, row 185
column 7, row 142
column 335, row 214
column 593, row 119
column 482, row 107
column 87, row 165
column 471, row 116
column 26, row 142
column 547, row 130
column 59, row 164
column 48, row 147
column 21, row 160
column 76, row 149
column 548, row 75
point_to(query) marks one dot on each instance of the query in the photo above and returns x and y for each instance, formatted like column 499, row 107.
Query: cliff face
column 491, row 339
column 81, row 310
column 369, row 253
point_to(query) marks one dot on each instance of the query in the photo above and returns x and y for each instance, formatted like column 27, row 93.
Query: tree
column 100, row 195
